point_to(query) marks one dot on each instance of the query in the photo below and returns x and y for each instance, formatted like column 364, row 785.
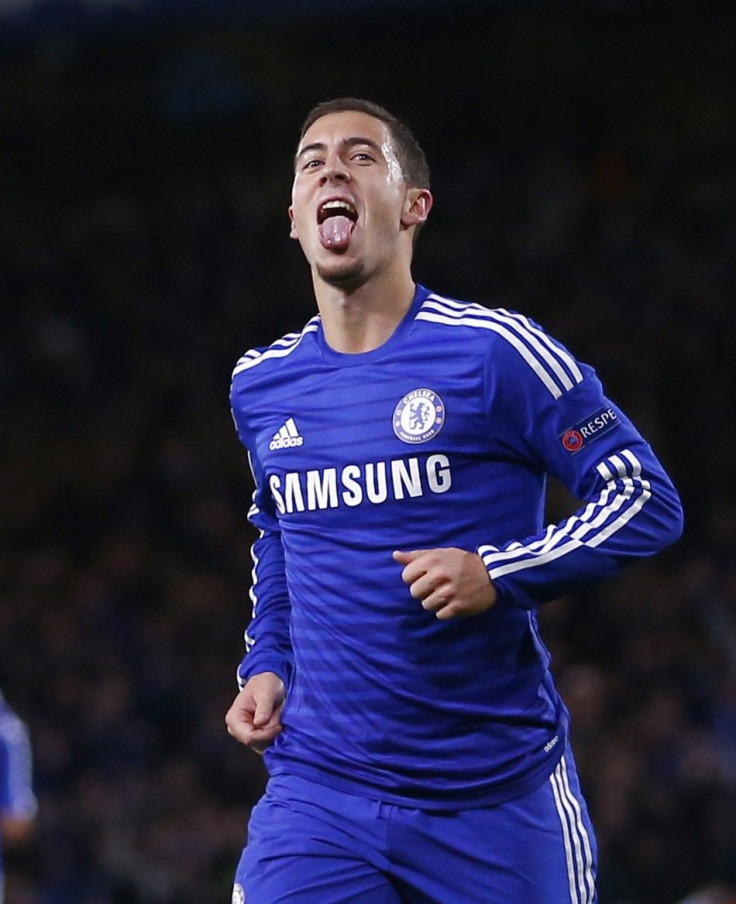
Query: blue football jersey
column 443, row 436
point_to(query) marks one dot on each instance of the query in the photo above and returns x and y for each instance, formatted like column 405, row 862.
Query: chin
column 340, row 272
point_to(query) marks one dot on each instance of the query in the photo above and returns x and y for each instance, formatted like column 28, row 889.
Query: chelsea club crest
column 419, row 416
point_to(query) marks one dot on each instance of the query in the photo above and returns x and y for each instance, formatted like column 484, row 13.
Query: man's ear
column 292, row 224
column 417, row 205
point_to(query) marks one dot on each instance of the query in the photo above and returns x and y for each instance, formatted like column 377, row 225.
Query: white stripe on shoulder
column 278, row 349
column 556, row 351
column 553, row 365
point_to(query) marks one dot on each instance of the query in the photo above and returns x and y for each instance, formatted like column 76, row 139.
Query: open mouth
column 336, row 208
column 336, row 220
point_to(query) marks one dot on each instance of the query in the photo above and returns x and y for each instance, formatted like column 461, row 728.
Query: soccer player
column 418, row 751
column 17, row 800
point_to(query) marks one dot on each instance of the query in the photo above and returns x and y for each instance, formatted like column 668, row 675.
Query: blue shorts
column 309, row 844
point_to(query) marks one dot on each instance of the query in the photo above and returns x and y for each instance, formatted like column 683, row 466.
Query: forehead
column 334, row 128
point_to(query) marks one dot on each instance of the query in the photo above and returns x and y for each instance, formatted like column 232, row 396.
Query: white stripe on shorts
column 578, row 851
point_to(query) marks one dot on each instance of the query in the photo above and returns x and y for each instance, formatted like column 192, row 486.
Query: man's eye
column 312, row 164
column 361, row 155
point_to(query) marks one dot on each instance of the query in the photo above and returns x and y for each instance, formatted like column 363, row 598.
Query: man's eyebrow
column 350, row 142
column 315, row 146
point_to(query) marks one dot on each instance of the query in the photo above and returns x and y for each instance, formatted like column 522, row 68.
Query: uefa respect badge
column 589, row 429
column 419, row 416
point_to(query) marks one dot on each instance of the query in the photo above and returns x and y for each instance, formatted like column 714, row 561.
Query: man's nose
column 335, row 170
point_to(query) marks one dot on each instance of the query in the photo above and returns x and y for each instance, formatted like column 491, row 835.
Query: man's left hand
column 450, row 582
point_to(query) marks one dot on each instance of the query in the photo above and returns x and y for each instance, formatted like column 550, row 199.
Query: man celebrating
column 394, row 675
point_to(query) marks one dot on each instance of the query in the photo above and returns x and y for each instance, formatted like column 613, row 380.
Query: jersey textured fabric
column 443, row 436
column 16, row 791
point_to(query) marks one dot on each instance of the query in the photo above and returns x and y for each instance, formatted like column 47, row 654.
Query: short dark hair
column 408, row 151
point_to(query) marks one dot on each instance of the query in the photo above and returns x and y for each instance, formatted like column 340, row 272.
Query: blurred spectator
column 17, row 801
column 711, row 895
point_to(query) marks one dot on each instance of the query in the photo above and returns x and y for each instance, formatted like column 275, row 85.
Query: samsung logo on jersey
column 591, row 428
column 373, row 482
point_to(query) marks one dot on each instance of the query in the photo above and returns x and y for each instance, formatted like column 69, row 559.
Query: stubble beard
column 348, row 276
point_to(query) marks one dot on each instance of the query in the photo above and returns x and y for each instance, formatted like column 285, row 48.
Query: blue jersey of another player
column 17, row 800
column 442, row 437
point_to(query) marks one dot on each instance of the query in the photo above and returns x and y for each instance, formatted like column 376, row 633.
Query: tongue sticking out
column 335, row 232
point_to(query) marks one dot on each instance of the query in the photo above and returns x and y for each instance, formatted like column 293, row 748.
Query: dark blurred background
column 583, row 166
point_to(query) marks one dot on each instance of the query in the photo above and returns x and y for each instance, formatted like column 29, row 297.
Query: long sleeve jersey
column 444, row 436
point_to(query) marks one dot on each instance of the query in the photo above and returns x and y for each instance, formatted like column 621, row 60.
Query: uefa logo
column 572, row 440
column 419, row 416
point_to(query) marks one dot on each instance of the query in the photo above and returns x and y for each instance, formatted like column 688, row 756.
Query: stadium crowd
column 136, row 266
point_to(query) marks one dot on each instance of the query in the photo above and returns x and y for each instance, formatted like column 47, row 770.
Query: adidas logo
column 286, row 437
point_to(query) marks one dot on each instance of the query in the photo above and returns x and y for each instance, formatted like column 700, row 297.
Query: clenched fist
column 254, row 719
column 449, row 582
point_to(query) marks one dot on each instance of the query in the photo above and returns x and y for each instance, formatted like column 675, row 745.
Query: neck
column 362, row 318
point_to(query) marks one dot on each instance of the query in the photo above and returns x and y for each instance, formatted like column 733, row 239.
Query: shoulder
column 510, row 341
column 256, row 359
column 471, row 319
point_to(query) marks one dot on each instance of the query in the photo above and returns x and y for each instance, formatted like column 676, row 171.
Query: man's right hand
column 254, row 719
